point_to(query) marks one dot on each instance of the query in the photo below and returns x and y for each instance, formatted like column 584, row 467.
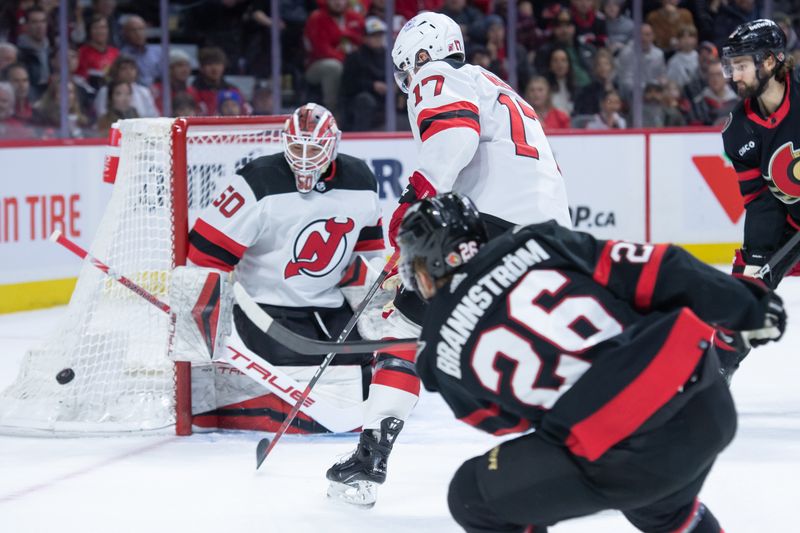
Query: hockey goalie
column 293, row 228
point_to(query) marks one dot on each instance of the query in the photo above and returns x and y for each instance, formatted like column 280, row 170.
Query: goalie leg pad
column 201, row 300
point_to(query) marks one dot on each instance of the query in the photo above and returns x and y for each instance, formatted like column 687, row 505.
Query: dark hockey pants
column 653, row 477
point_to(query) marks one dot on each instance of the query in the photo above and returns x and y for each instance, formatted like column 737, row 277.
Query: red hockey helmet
column 310, row 143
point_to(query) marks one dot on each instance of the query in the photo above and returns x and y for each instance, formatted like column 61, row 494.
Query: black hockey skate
column 355, row 478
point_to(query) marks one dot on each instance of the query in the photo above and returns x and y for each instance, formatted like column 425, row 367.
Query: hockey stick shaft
column 778, row 256
column 75, row 248
column 261, row 452
column 273, row 379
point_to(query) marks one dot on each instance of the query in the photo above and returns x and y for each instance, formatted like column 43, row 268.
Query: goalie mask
column 426, row 37
column 310, row 143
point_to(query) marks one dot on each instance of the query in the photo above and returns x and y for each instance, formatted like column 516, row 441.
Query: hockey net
column 114, row 343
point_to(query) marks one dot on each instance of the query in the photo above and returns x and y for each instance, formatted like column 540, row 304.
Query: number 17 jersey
column 477, row 137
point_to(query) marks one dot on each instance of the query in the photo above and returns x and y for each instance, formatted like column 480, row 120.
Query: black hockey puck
column 65, row 376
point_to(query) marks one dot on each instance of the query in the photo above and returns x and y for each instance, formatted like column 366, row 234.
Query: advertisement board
column 622, row 185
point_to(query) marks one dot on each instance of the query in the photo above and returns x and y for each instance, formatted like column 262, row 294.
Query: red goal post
column 117, row 349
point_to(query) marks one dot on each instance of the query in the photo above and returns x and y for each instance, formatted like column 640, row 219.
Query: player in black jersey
column 759, row 140
column 604, row 347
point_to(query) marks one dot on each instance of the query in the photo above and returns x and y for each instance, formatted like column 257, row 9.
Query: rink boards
column 641, row 185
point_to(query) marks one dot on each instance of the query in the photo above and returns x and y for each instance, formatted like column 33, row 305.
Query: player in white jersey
column 290, row 224
column 477, row 137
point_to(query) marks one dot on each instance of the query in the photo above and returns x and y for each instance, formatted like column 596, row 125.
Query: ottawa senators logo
column 784, row 170
column 319, row 248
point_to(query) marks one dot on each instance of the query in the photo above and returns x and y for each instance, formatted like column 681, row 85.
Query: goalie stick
column 333, row 418
column 281, row 334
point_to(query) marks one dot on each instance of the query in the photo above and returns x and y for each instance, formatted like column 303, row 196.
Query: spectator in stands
column 125, row 69
column 34, row 49
column 619, row 26
column 590, row 25
column 409, row 8
column 147, row 56
column 562, row 80
column 211, row 79
column 655, row 69
column 8, row 56
column 262, row 99
column 608, row 118
column 17, row 76
column 86, row 93
column 479, row 55
column 713, row 104
column 563, row 36
column 498, row 53
column 730, row 15
column 785, row 22
column 10, row 126
column 654, row 115
column 468, row 17
column 676, row 106
column 96, row 56
column 684, row 64
column 293, row 16
column 120, row 107
column 529, row 34
column 587, row 101
column 229, row 104
column 667, row 21
column 220, row 23
column 377, row 8
column 180, row 69
column 707, row 54
column 108, row 10
column 364, row 80
column 331, row 33
column 46, row 111
column 184, row 105
column 537, row 94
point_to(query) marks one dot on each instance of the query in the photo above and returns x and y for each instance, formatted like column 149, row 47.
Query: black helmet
column 444, row 231
column 759, row 38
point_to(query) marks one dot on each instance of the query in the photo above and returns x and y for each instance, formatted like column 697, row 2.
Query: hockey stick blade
column 304, row 345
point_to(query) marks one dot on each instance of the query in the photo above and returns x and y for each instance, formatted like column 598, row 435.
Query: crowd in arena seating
column 574, row 59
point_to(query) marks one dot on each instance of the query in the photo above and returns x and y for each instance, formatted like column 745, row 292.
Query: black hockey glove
column 774, row 323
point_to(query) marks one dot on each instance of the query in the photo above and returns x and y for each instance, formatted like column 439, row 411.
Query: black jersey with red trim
column 582, row 339
column 290, row 249
column 765, row 152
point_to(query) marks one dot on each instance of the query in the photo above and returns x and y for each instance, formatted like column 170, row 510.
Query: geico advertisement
column 695, row 191
column 42, row 190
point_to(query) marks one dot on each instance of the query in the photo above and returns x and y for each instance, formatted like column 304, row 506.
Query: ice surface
column 208, row 483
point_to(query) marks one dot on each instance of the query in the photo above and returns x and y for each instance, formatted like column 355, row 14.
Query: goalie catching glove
column 202, row 301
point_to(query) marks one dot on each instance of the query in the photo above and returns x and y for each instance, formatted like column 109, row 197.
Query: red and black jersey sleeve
column 370, row 238
column 657, row 277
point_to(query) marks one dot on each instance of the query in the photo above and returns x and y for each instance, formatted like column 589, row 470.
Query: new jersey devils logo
column 315, row 255
column 784, row 169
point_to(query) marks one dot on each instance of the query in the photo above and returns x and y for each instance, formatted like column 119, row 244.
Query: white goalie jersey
column 290, row 249
column 478, row 137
